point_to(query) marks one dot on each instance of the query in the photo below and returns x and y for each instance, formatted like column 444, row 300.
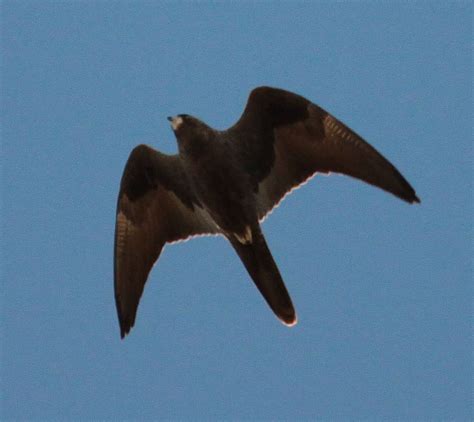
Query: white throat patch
column 176, row 122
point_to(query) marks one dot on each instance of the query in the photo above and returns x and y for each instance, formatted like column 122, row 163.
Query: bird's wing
column 155, row 206
column 284, row 139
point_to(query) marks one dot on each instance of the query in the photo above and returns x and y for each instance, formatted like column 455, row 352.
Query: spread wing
column 284, row 139
column 155, row 206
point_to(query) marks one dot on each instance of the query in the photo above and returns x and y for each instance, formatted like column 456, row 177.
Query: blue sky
column 383, row 290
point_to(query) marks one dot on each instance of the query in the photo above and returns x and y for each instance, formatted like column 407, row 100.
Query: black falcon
column 226, row 182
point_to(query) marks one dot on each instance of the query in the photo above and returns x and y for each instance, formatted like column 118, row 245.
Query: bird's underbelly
column 228, row 200
column 230, row 212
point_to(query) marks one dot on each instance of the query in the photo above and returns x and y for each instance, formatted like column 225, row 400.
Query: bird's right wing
column 284, row 139
column 155, row 205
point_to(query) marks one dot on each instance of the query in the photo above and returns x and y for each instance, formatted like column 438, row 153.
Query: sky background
column 383, row 290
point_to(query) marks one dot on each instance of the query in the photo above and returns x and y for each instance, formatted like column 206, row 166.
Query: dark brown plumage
column 226, row 182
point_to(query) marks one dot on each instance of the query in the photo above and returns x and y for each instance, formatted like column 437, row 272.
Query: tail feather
column 260, row 265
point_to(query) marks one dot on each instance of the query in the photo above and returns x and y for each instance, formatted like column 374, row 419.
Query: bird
column 226, row 182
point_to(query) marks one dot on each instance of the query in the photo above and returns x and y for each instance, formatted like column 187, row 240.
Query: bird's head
column 184, row 122
column 190, row 132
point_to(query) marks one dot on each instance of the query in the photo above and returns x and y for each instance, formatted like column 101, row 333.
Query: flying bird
column 226, row 182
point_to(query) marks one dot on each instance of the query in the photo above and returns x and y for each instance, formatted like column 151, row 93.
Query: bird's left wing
column 155, row 205
column 283, row 139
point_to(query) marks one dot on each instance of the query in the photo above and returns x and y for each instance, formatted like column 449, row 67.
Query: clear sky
column 383, row 289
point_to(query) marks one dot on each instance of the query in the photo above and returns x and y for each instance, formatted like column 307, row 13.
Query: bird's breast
column 225, row 191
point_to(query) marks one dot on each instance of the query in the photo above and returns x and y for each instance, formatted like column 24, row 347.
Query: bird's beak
column 170, row 118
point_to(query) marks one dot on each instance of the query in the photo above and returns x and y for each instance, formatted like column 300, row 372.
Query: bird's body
column 231, row 202
column 226, row 182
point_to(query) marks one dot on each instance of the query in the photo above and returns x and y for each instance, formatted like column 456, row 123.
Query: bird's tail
column 260, row 265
